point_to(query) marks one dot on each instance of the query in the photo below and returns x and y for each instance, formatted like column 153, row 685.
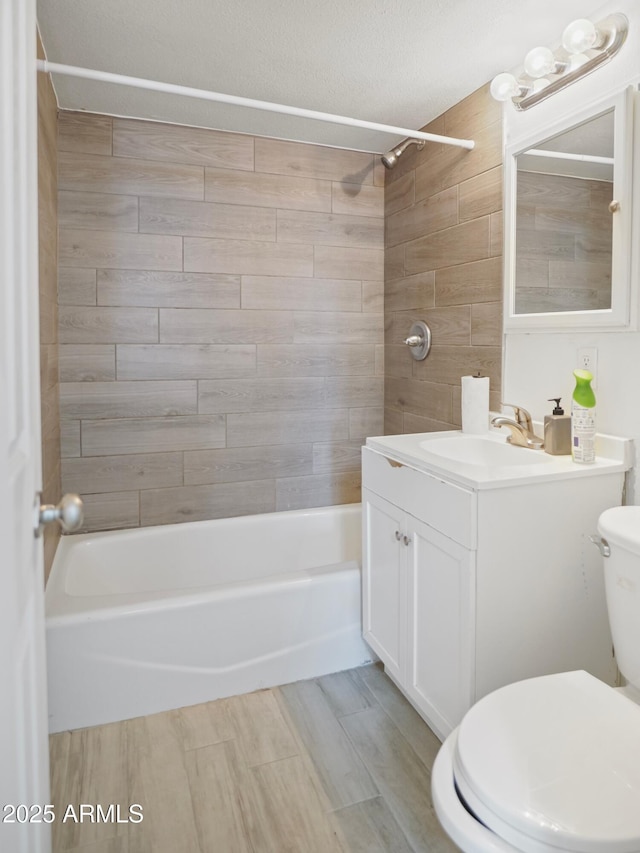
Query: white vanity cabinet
column 466, row 588
column 417, row 609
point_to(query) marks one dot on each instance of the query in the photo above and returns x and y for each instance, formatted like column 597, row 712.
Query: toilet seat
column 553, row 763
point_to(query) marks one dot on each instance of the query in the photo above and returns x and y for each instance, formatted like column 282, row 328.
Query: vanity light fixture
column 585, row 47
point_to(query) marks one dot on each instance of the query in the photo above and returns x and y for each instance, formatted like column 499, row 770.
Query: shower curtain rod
column 203, row 94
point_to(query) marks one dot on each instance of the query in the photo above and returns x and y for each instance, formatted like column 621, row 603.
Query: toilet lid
column 554, row 763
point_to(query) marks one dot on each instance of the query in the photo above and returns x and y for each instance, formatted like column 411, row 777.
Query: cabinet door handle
column 406, row 539
column 398, row 535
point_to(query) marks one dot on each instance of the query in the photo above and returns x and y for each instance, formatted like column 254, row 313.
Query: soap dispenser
column 557, row 431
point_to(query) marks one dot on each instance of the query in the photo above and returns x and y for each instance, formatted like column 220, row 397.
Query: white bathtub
column 146, row 620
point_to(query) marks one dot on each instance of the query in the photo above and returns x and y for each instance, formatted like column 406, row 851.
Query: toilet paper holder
column 419, row 340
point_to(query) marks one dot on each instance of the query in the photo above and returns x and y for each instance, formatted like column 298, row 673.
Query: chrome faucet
column 522, row 433
column 522, row 416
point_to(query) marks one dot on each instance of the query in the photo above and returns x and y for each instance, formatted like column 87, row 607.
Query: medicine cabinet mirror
column 568, row 219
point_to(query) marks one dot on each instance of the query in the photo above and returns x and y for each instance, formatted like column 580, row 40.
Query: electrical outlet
column 588, row 360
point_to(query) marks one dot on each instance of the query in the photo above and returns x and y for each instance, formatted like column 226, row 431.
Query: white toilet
column 553, row 763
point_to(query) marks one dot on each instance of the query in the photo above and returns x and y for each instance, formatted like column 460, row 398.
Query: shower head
column 390, row 159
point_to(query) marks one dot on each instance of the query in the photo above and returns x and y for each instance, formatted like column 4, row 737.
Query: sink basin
column 477, row 450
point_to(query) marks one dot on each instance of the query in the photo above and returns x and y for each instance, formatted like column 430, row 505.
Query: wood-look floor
column 339, row 764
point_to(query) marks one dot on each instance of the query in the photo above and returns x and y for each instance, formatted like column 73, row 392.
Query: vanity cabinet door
column 441, row 606
column 384, row 581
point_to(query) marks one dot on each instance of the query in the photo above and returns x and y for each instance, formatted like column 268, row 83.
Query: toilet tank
column 620, row 527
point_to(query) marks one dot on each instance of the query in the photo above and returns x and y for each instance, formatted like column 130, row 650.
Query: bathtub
column 150, row 619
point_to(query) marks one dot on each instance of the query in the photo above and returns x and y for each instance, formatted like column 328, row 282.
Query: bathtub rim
column 62, row 608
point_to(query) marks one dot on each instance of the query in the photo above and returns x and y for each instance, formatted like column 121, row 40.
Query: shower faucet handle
column 419, row 340
column 414, row 341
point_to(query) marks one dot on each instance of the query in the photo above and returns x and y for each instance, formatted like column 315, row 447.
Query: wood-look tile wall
column 443, row 265
column 48, row 277
column 563, row 243
column 220, row 320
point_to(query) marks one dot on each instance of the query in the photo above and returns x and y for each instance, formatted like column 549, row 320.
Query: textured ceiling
column 400, row 62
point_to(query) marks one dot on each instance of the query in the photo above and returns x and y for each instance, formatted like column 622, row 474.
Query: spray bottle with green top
column 583, row 418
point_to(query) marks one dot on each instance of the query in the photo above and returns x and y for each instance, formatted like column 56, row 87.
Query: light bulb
column 575, row 61
column 579, row 36
column 539, row 84
column 504, row 86
column 539, row 61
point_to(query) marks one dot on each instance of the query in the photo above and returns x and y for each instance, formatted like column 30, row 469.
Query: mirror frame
column 617, row 317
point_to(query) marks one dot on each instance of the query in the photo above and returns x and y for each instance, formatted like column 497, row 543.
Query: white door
column 23, row 716
column 384, row 581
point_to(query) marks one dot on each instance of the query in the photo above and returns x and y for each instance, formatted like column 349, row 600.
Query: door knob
column 69, row 514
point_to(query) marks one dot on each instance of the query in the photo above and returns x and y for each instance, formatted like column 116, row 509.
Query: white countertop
column 613, row 454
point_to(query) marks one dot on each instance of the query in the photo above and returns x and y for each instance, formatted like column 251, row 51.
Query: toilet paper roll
column 475, row 404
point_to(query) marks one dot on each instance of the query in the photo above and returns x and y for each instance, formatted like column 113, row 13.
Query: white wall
column 539, row 365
